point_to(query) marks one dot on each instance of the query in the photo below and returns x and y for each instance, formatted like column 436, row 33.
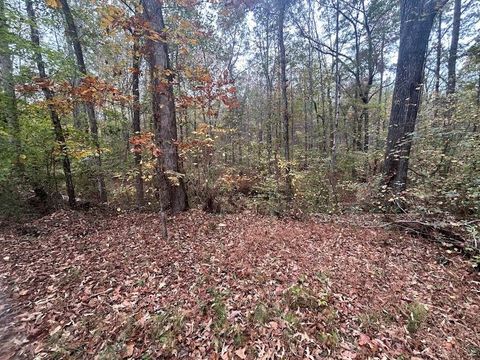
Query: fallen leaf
column 129, row 348
column 241, row 353
column 364, row 340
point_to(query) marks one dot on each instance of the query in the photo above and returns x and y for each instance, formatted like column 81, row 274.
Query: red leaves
column 210, row 92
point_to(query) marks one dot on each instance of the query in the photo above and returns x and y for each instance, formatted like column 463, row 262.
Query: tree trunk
column 337, row 94
column 49, row 95
column 140, row 195
column 7, row 87
column 381, row 120
column 77, row 47
column 438, row 60
column 452, row 55
column 284, row 98
column 417, row 18
column 171, row 184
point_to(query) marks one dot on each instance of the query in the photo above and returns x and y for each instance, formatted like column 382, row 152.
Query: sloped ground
column 233, row 287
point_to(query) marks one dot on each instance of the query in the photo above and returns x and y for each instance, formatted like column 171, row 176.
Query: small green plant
column 166, row 326
column 237, row 334
column 417, row 314
column 73, row 275
column 261, row 314
column 219, row 309
column 373, row 321
column 323, row 277
column 300, row 297
column 291, row 319
column 110, row 352
column 329, row 339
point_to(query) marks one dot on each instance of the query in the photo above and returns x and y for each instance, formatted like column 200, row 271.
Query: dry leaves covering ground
column 84, row 286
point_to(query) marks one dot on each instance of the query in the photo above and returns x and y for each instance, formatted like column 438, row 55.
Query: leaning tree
column 417, row 17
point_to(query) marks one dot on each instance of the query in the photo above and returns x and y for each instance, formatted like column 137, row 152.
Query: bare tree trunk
column 380, row 93
column 452, row 55
column 417, row 18
column 172, row 187
column 438, row 60
column 7, row 86
column 337, row 93
column 284, row 102
column 49, row 95
column 370, row 77
column 140, row 195
column 77, row 47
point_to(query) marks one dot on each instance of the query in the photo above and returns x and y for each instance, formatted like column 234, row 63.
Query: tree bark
column 452, row 55
column 438, row 60
column 49, row 95
column 90, row 108
column 284, row 98
column 381, row 120
column 7, row 86
column 417, row 18
column 171, row 184
column 139, row 190
column 337, row 93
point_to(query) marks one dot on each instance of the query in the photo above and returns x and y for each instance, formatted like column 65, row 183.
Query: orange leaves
column 113, row 18
column 185, row 34
column 54, row 4
column 97, row 91
column 144, row 141
column 36, row 85
column 91, row 89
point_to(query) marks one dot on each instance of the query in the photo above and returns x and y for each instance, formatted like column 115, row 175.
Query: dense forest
column 266, row 105
column 239, row 179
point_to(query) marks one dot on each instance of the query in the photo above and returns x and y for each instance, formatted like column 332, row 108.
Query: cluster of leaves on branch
column 90, row 89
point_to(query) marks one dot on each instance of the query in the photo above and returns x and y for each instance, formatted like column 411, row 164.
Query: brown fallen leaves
column 92, row 286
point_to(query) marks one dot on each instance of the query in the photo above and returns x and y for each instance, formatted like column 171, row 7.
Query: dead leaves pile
column 232, row 287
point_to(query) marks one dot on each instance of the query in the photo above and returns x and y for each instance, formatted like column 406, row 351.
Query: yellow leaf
column 54, row 4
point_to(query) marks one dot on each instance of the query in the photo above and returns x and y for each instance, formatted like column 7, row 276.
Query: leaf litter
column 245, row 286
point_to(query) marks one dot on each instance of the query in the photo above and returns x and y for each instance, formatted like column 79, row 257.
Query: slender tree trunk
column 417, row 18
column 370, row 78
column 7, row 87
column 438, row 60
column 49, row 95
column 140, row 195
column 380, row 93
column 311, row 106
column 284, row 98
column 337, row 93
column 452, row 55
column 78, row 50
column 171, row 183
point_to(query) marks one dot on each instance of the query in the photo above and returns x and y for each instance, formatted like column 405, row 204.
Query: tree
column 8, row 98
column 281, row 7
column 136, row 59
column 82, row 69
column 49, row 96
column 170, row 179
column 452, row 55
column 417, row 17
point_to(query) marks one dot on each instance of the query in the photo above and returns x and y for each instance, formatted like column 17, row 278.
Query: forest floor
column 87, row 286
